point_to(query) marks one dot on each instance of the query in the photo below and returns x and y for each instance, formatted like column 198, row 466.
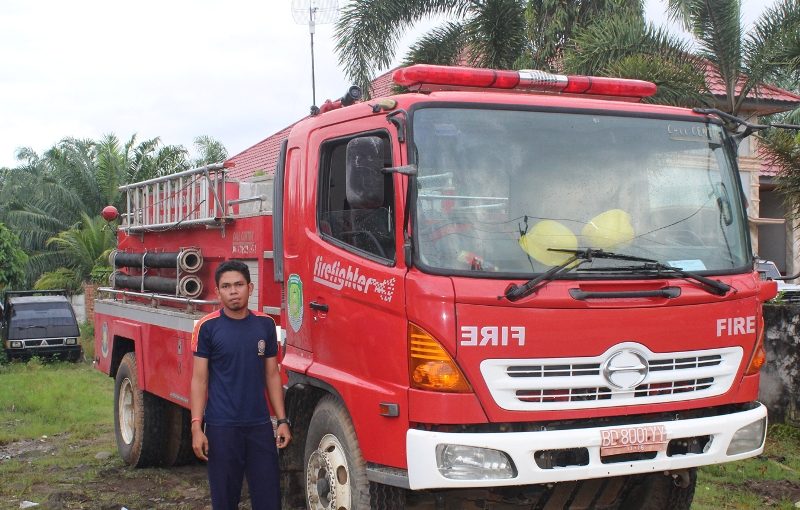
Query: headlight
column 71, row 341
column 748, row 438
column 459, row 462
column 15, row 344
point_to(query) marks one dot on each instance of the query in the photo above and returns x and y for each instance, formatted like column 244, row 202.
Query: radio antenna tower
column 311, row 13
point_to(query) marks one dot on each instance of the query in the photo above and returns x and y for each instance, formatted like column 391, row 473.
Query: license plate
column 647, row 438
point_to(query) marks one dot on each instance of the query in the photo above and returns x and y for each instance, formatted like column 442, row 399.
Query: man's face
column 233, row 290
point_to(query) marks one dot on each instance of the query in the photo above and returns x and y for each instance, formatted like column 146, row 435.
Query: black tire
column 75, row 356
column 663, row 492
column 178, row 450
column 386, row 497
column 334, row 470
column 139, row 422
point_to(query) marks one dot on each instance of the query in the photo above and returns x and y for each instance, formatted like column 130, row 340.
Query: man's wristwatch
column 282, row 421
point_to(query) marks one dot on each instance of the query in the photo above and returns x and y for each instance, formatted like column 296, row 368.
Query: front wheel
column 658, row 491
column 335, row 472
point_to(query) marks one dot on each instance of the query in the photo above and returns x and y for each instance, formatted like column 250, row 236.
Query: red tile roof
column 763, row 92
column 262, row 156
column 382, row 85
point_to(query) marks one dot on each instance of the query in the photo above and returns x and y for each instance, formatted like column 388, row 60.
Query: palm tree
column 487, row 33
column 12, row 270
column 49, row 194
column 209, row 150
column 84, row 250
column 744, row 60
column 617, row 44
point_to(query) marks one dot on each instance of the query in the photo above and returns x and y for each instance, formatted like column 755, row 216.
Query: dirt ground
column 66, row 474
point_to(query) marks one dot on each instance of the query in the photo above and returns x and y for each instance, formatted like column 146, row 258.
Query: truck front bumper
column 725, row 438
column 70, row 352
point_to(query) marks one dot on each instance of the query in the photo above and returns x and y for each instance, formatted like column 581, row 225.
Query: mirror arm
column 398, row 118
column 403, row 170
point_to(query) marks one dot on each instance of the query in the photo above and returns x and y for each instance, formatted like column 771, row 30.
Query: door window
column 368, row 232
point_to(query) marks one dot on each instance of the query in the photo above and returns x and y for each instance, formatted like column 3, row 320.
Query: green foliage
column 49, row 194
column 87, row 340
column 744, row 60
column 12, row 268
column 781, row 149
column 627, row 47
column 209, row 150
column 368, row 30
column 61, row 278
column 552, row 24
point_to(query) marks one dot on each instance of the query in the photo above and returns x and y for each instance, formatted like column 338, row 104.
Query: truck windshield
column 498, row 191
column 42, row 320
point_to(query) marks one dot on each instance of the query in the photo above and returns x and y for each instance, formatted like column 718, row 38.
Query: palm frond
column 772, row 48
column 368, row 30
column 781, row 149
column 618, row 46
column 552, row 23
column 443, row 45
column 496, row 32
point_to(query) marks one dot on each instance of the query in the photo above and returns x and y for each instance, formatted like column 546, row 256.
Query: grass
column 39, row 399
column 771, row 480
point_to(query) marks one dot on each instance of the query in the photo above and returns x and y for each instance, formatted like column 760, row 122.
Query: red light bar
column 419, row 75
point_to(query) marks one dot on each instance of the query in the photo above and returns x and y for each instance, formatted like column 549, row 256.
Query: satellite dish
column 311, row 13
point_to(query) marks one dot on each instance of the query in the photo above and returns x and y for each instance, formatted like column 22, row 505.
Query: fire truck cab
column 528, row 285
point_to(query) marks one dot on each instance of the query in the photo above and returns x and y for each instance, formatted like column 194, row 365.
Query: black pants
column 235, row 452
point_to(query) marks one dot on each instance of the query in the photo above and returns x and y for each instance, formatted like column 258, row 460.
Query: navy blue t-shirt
column 236, row 350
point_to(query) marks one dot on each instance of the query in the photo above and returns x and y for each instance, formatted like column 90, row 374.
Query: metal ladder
column 191, row 197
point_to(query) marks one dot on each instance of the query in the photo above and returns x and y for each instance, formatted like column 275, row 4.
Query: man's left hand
column 283, row 436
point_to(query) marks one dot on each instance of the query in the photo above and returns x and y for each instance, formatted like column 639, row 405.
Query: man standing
column 234, row 366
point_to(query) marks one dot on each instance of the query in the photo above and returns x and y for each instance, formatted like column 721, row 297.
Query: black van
column 39, row 323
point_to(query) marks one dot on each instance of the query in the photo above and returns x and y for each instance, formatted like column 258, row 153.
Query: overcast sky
column 237, row 70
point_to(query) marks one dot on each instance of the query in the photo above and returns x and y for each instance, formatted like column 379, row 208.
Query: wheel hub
column 328, row 476
column 125, row 411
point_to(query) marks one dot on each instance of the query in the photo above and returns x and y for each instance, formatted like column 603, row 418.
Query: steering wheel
column 370, row 237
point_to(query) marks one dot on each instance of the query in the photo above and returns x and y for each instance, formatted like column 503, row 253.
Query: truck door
column 351, row 287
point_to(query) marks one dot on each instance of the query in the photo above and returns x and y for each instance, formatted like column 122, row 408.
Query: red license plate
column 646, row 438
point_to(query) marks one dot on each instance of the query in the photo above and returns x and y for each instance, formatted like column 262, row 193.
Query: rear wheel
column 335, row 471
column 178, row 451
column 138, row 418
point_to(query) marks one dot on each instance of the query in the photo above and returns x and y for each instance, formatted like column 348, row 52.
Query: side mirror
column 767, row 290
column 364, row 172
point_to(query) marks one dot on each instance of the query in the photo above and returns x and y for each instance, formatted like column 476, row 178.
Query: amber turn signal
column 430, row 366
column 759, row 353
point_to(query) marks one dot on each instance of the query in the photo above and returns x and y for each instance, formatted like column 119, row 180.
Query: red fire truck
column 522, row 286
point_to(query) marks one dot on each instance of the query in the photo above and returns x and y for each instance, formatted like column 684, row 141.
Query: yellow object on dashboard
column 545, row 235
column 609, row 229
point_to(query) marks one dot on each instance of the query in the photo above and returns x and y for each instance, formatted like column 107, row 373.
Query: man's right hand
column 199, row 442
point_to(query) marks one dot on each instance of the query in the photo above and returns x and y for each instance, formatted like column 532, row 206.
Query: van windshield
column 500, row 191
column 42, row 320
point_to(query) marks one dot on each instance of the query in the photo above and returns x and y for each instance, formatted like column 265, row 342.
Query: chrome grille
column 579, row 383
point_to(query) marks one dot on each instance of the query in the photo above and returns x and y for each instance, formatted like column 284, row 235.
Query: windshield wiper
column 713, row 286
column 517, row 292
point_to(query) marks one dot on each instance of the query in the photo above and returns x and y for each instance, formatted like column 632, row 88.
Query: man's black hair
column 232, row 265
